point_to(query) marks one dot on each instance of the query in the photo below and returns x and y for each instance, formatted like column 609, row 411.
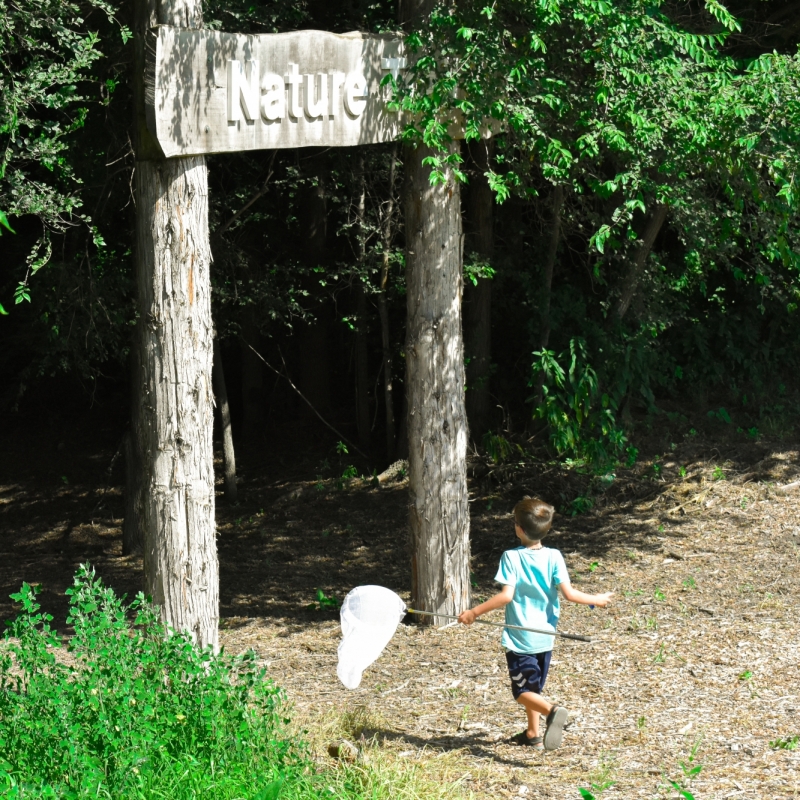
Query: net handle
column 573, row 636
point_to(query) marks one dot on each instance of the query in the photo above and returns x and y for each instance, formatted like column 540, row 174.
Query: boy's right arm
column 502, row 598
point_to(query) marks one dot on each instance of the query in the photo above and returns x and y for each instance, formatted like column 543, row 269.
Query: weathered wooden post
column 437, row 419
column 204, row 92
column 173, row 399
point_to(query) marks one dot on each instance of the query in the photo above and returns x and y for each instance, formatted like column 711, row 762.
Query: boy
column 532, row 576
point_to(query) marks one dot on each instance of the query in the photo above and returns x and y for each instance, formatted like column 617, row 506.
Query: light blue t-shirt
column 535, row 576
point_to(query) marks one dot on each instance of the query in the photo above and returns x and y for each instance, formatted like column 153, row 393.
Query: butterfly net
column 370, row 616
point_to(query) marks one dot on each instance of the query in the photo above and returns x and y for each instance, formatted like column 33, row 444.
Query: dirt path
column 701, row 647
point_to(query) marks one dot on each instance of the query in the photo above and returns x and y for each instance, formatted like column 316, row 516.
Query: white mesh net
column 370, row 616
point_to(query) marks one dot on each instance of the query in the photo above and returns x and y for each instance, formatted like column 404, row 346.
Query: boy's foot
column 528, row 741
column 556, row 720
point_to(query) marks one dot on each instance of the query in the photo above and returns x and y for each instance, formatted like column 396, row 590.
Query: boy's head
column 533, row 517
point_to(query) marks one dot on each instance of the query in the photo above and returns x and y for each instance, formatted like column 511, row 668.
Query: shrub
column 137, row 711
column 581, row 419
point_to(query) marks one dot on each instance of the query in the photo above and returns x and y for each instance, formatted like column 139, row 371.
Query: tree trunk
column 437, row 423
column 383, row 312
column 314, row 378
column 549, row 266
column 547, row 282
column 635, row 270
column 362, row 372
column 252, row 380
column 174, row 414
column 478, row 299
column 362, row 361
column 228, row 453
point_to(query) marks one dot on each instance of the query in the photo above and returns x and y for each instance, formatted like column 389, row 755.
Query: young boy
column 531, row 576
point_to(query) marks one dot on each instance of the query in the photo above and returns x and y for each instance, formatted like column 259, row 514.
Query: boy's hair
column 534, row 517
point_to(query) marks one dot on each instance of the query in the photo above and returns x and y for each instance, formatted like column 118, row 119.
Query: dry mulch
column 700, row 648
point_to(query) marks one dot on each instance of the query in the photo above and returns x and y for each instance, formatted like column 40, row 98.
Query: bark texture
column 176, row 403
column 437, row 422
column 478, row 299
column 636, row 266
column 224, row 411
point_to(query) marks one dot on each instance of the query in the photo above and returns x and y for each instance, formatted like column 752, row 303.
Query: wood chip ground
column 701, row 647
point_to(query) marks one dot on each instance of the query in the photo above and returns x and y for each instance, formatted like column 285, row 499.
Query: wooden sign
column 211, row 92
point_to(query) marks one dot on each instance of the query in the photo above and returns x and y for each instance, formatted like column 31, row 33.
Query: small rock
column 343, row 750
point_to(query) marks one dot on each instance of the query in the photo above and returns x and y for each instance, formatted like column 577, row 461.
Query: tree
column 437, row 422
column 479, row 245
column 45, row 54
column 173, row 408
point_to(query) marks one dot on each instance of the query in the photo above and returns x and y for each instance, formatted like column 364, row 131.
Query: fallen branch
column 306, row 400
column 697, row 498
column 259, row 194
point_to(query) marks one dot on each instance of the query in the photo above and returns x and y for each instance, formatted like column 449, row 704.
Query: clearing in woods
column 698, row 660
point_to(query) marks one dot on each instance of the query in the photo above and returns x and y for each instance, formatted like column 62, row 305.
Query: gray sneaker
column 556, row 720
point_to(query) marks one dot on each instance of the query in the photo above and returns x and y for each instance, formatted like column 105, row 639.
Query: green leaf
column 4, row 222
column 601, row 237
column 3, row 312
column 271, row 791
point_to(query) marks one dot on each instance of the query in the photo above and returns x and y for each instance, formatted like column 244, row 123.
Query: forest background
column 630, row 246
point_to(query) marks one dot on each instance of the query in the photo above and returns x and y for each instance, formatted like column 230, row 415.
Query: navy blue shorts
column 528, row 671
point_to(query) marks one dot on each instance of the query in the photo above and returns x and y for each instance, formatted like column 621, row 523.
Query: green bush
column 582, row 420
column 135, row 713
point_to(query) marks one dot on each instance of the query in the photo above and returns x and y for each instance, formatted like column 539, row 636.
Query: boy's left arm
column 577, row 596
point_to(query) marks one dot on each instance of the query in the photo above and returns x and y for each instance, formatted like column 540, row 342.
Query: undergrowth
column 135, row 711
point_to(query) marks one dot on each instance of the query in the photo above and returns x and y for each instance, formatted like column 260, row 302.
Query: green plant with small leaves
column 721, row 415
column 135, row 712
column 600, row 781
column 658, row 595
column 682, row 472
column 323, row 602
column 580, row 505
column 690, row 769
column 581, row 419
column 499, row 449
column 786, row 743
column 746, row 675
column 348, row 474
column 593, row 566
column 718, row 474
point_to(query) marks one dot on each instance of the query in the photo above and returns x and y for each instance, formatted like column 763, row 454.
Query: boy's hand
column 467, row 617
column 603, row 600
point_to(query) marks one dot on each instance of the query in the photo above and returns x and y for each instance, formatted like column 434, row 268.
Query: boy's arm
column 577, row 596
column 502, row 598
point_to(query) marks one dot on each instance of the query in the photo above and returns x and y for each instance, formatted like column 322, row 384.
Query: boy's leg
column 534, row 704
